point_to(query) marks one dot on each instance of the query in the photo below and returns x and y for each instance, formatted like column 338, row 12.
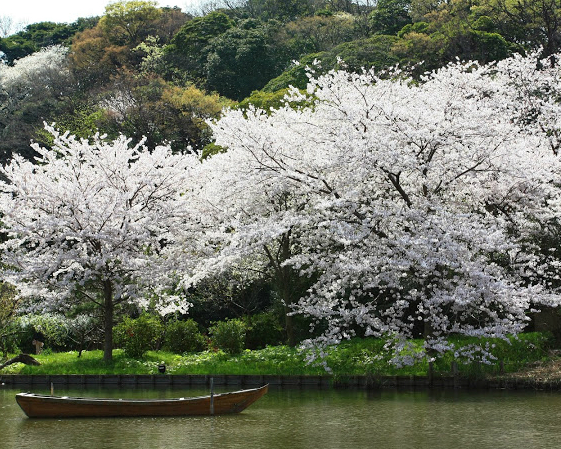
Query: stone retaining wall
column 361, row 382
column 126, row 380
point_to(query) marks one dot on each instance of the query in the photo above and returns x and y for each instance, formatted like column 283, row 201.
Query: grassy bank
column 356, row 357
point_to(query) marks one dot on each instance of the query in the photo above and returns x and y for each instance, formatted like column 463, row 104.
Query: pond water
column 298, row 418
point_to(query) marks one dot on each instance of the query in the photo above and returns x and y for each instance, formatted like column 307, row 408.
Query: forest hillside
column 140, row 70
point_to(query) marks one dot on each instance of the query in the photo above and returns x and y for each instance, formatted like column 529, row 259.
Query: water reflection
column 308, row 419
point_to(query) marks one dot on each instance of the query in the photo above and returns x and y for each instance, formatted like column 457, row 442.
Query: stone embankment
column 360, row 382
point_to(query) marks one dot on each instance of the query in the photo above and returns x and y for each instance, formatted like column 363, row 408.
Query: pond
column 306, row 418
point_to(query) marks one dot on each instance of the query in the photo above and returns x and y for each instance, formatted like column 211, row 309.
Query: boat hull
column 45, row 406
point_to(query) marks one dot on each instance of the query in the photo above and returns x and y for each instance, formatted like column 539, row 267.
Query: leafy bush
column 184, row 336
column 136, row 336
column 8, row 339
column 53, row 328
column 229, row 335
column 264, row 329
column 22, row 335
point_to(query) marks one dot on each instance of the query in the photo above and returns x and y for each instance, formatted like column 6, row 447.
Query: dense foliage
column 9, row 303
column 229, row 335
column 184, row 336
column 403, row 208
column 122, row 68
column 270, row 195
column 139, row 335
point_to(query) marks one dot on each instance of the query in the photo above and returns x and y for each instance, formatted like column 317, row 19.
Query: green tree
column 284, row 10
column 40, row 35
column 168, row 23
column 136, row 336
column 188, row 49
column 229, row 335
column 148, row 106
column 94, row 59
column 376, row 51
column 117, row 44
column 9, row 303
column 420, row 9
column 190, row 108
column 264, row 100
column 296, row 74
column 416, row 45
column 457, row 29
column 531, row 23
column 390, row 16
column 125, row 21
column 183, row 336
column 241, row 60
column 316, row 33
column 79, row 118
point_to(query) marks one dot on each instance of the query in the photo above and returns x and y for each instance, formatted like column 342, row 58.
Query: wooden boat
column 46, row 406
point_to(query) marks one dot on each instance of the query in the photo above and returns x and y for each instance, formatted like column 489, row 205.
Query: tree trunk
column 427, row 330
column 284, row 280
column 289, row 323
column 287, row 286
column 108, row 321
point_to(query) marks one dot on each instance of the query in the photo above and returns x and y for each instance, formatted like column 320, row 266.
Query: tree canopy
column 39, row 35
column 406, row 208
column 91, row 222
column 126, row 22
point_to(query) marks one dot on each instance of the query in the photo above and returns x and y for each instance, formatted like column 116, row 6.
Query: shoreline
column 300, row 381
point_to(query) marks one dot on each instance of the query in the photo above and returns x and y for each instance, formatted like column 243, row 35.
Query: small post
column 52, row 389
column 212, row 396
column 501, row 367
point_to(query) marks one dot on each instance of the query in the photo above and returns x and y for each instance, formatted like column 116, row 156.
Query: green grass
column 91, row 362
column 356, row 357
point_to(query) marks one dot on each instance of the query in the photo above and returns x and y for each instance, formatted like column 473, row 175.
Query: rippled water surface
column 294, row 419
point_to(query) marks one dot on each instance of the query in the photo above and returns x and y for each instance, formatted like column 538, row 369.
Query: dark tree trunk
column 427, row 330
column 287, row 288
column 108, row 321
column 284, row 280
column 289, row 319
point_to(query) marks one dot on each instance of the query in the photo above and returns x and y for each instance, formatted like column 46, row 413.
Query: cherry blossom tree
column 49, row 65
column 91, row 222
column 35, row 84
column 407, row 206
column 246, row 222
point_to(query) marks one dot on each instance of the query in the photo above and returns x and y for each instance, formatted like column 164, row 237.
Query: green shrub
column 229, row 335
column 22, row 336
column 184, row 336
column 53, row 328
column 264, row 329
column 9, row 339
column 136, row 336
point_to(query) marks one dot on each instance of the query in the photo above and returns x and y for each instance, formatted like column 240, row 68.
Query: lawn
column 355, row 357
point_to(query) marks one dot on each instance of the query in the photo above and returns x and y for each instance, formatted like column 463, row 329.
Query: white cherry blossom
column 92, row 221
column 405, row 203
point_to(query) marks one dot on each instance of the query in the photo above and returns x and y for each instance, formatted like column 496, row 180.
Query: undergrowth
column 355, row 357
